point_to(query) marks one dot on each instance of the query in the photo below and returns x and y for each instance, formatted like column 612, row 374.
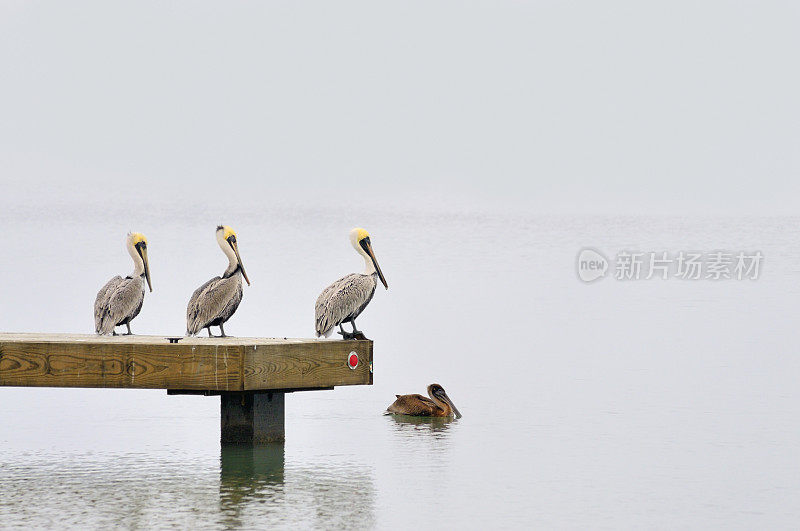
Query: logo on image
column 591, row 265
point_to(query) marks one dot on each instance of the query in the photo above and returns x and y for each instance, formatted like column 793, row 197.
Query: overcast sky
column 676, row 107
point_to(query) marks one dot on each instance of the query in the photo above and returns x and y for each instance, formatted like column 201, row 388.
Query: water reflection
column 438, row 426
column 248, row 473
column 425, row 440
column 106, row 490
column 335, row 496
column 257, row 488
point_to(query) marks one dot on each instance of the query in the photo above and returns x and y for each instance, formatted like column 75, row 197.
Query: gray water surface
column 663, row 404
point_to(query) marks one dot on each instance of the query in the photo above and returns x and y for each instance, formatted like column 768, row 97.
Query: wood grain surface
column 150, row 362
column 309, row 365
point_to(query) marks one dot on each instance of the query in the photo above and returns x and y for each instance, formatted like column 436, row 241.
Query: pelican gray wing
column 118, row 302
column 216, row 300
column 342, row 301
column 191, row 308
column 101, row 302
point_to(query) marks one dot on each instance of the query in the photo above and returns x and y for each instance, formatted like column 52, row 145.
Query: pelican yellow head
column 137, row 237
column 360, row 239
column 227, row 232
column 227, row 236
column 137, row 247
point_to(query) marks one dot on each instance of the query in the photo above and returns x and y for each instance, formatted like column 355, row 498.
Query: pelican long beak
column 143, row 252
column 239, row 259
column 452, row 405
column 377, row 267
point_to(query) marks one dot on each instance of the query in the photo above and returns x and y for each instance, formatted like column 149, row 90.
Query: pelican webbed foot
column 358, row 335
column 345, row 335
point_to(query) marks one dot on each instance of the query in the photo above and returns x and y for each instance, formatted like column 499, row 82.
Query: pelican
column 213, row 303
column 439, row 405
column 345, row 299
column 120, row 300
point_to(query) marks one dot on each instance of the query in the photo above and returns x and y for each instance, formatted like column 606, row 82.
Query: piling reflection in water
column 257, row 486
column 249, row 473
column 257, row 489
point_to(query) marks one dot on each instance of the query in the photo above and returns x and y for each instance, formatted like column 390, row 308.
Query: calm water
column 661, row 404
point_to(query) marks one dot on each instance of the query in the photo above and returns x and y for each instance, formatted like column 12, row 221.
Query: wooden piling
column 252, row 418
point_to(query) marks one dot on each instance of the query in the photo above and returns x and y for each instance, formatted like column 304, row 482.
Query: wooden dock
column 252, row 375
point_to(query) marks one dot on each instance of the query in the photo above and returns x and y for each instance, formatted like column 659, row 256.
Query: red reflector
column 352, row 360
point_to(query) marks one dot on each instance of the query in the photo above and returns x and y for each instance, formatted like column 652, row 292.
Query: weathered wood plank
column 310, row 365
column 151, row 340
column 123, row 365
column 203, row 364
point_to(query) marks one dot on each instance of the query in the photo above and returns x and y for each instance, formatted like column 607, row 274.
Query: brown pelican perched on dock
column 439, row 404
column 120, row 300
column 345, row 299
column 213, row 303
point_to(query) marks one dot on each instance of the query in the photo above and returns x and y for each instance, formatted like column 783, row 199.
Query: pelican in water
column 438, row 405
column 213, row 303
column 120, row 300
column 345, row 299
